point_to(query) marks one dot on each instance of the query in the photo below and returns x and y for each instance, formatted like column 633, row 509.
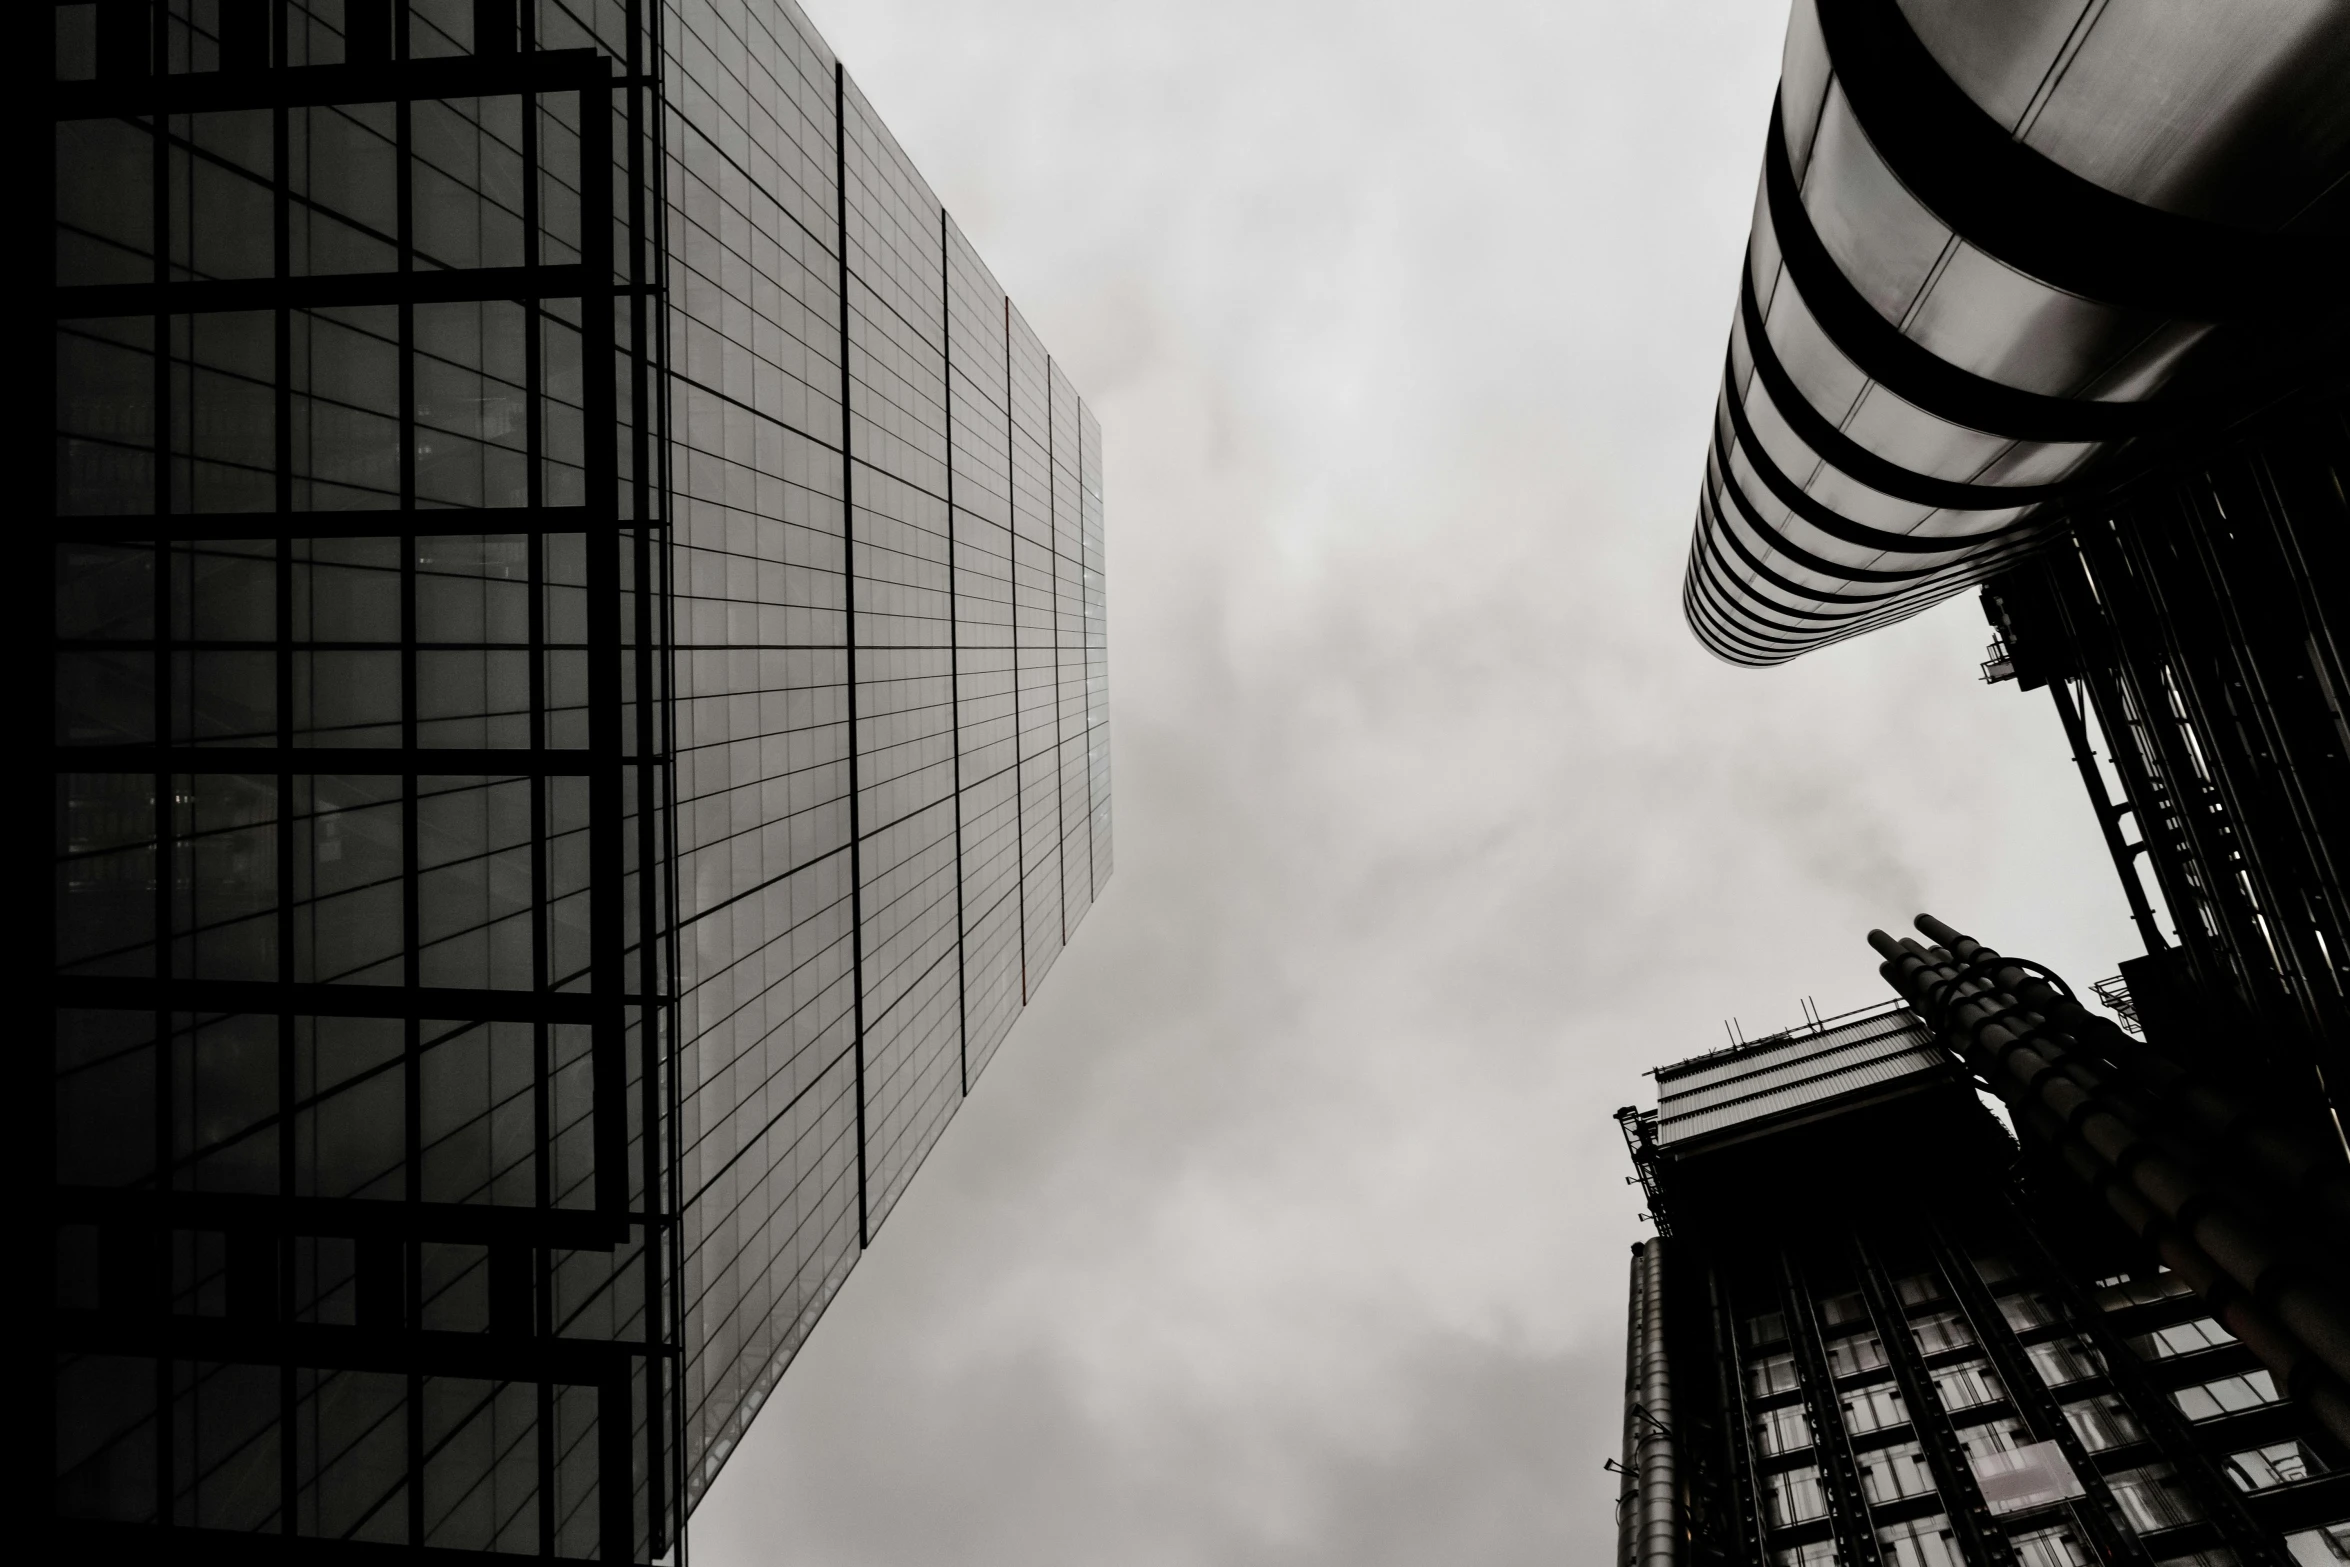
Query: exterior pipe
column 2246, row 1256
column 2254, row 1328
column 2000, row 390
column 2249, row 1257
column 2313, row 1180
column 2299, row 1334
column 1628, row 1466
column 1658, row 1531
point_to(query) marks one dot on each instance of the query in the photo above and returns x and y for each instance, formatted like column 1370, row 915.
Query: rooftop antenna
column 1726, row 1030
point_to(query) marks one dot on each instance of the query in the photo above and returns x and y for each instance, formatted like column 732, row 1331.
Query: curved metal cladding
column 1998, row 248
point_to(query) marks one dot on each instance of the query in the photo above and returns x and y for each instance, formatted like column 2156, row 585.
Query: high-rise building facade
column 2051, row 298
column 2048, row 298
column 506, row 966
column 1875, row 1329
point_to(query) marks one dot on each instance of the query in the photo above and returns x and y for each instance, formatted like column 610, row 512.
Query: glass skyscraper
column 505, row 968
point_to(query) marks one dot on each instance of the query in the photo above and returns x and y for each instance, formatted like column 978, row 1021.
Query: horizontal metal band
column 2031, row 212
column 1824, row 517
column 111, row 993
column 355, row 761
column 1732, row 637
column 1719, row 462
column 1751, row 610
column 305, row 86
column 1906, row 367
column 1718, row 532
column 1728, row 610
column 1903, row 581
column 440, row 286
column 331, row 1348
column 90, row 1543
column 1926, row 585
column 1724, row 640
column 483, row 1224
column 387, row 523
column 1895, row 582
column 1841, row 451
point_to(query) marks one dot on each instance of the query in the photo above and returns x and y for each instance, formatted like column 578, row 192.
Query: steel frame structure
column 2195, row 618
column 326, row 1291
column 504, row 978
column 1930, row 1296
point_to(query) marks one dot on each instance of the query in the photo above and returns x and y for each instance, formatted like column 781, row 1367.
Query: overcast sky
column 1289, row 1226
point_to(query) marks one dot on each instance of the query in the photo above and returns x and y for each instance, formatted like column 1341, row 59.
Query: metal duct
column 2001, row 1016
column 1656, row 1523
column 1997, row 247
column 1628, row 1466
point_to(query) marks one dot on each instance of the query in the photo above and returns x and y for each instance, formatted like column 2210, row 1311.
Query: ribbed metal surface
column 1995, row 246
column 1774, row 1077
column 1662, row 1523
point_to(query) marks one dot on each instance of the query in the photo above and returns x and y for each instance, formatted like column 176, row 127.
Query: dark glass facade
column 1874, row 1329
column 505, row 967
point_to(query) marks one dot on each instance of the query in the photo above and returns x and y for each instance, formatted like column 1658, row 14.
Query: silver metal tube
column 1628, row 1465
column 2002, row 255
column 1661, row 1529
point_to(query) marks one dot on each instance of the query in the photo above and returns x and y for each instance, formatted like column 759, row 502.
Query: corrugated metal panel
column 1743, row 1060
column 1801, row 1063
column 1773, row 1077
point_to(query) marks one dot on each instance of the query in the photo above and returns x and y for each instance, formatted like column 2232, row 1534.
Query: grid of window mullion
column 544, row 1456
column 2033, row 1403
column 1097, row 672
column 1745, row 1474
column 900, row 573
column 1848, row 1510
column 946, row 290
column 1962, row 1499
column 1737, row 1438
column 1071, row 753
column 166, row 805
column 664, row 1475
column 282, row 673
column 771, row 121
column 1035, row 661
column 2160, row 1418
column 411, row 965
column 985, row 697
column 764, row 1254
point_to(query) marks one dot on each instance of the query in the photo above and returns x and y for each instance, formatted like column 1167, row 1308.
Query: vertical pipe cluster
column 2201, row 620
column 2015, row 1025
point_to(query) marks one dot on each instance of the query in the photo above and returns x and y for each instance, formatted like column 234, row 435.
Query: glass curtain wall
column 352, row 622
column 884, row 724
column 506, row 967
column 1951, row 1395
